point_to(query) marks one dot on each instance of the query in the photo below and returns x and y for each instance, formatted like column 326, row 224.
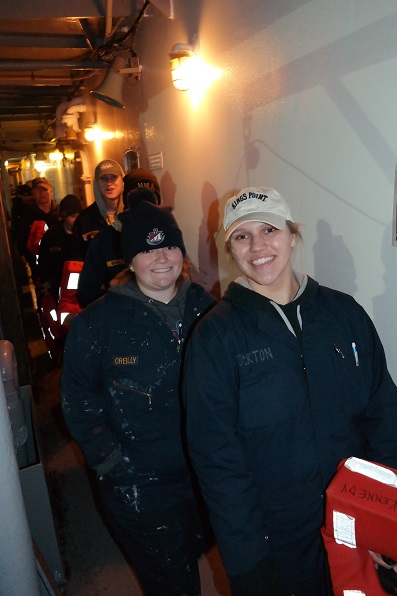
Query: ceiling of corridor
column 48, row 52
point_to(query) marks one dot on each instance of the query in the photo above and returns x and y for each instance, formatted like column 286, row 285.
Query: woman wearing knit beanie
column 121, row 402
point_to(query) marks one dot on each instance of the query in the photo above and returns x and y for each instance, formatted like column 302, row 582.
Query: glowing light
column 40, row 166
column 181, row 71
column 202, row 76
column 189, row 71
column 94, row 133
column 55, row 156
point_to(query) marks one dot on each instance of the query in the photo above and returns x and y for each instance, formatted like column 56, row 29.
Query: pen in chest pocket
column 338, row 350
column 355, row 353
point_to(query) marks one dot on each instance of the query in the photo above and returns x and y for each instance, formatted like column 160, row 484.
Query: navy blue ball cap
column 140, row 178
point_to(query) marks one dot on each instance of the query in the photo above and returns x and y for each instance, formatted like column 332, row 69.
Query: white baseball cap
column 256, row 204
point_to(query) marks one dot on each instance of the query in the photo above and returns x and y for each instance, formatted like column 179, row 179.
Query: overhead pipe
column 48, row 79
column 30, row 65
column 67, row 114
column 109, row 18
column 18, row 573
column 71, row 116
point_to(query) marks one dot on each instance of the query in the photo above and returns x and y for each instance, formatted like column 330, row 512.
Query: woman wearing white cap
column 295, row 381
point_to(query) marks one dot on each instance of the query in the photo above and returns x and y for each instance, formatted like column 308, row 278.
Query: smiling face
column 157, row 270
column 111, row 187
column 263, row 254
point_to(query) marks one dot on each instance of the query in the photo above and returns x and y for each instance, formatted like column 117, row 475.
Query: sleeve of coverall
column 83, row 399
column 380, row 422
column 210, row 387
column 93, row 273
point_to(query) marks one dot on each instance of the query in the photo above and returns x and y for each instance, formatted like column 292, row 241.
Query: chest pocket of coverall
column 352, row 377
column 263, row 394
column 130, row 406
column 140, row 414
column 132, row 390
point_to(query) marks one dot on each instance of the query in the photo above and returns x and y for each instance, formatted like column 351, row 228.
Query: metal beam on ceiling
column 29, row 65
column 64, row 10
column 69, row 42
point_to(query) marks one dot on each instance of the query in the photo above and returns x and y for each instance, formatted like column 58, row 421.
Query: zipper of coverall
column 289, row 326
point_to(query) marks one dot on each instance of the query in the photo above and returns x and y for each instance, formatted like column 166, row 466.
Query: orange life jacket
column 360, row 526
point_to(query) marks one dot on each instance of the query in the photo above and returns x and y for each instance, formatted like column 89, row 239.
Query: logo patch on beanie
column 155, row 237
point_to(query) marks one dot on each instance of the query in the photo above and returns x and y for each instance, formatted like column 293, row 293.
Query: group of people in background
column 206, row 422
column 48, row 235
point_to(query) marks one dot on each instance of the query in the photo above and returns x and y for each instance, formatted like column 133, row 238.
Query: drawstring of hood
column 294, row 317
column 290, row 312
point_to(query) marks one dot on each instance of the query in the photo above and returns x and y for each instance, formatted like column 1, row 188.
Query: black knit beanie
column 140, row 194
column 146, row 227
column 69, row 206
column 140, row 178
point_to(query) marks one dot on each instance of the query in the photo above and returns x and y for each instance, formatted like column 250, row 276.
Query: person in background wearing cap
column 104, row 259
column 38, row 216
column 108, row 191
column 295, row 380
column 120, row 400
column 57, row 246
column 141, row 178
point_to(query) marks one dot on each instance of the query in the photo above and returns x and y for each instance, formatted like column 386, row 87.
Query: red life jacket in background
column 361, row 516
column 68, row 305
column 37, row 231
column 50, row 327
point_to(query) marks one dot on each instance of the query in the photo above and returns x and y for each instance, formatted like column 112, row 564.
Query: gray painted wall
column 306, row 104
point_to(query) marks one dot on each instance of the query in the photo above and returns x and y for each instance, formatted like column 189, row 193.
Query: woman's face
column 263, row 255
column 157, row 270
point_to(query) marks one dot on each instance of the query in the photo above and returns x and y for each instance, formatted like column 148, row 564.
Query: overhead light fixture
column 110, row 90
column 190, row 72
column 181, row 56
